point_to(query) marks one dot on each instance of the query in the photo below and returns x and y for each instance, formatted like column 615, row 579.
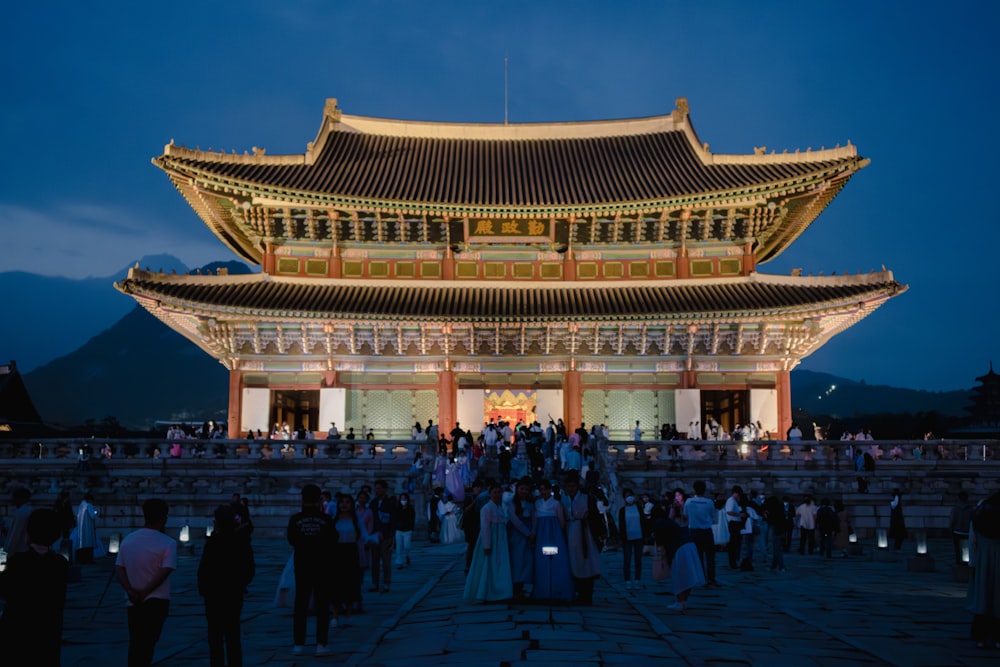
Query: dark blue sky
column 92, row 91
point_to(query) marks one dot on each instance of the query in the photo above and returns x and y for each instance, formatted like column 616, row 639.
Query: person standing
column 735, row 517
column 345, row 590
column 637, row 432
column 406, row 519
column 17, row 532
column 146, row 559
column 897, row 524
column 806, row 514
column 584, row 556
column 553, row 580
column 682, row 555
column 384, row 512
column 86, row 545
column 521, row 538
column 224, row 572
column 634, row 529
column 828, row 525
column 312, row 535
column 777, row 517
column 701, row 513
column 34, row 586
column 470, row 522
column 984, row 581
column 489, row 577
column 961, row 518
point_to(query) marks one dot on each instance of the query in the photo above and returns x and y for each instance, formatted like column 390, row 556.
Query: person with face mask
column 406, row 518
column 634, row 526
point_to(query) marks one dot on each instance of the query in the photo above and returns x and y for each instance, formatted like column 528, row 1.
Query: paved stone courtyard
column 864, row 610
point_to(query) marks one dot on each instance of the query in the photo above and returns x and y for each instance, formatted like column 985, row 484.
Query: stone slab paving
column 822, row 613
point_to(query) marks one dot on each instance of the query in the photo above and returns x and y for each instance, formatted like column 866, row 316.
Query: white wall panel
column 549, row 404
column 764, row 408
column 687, row 406
column 332, row 408
column 256, row 410
column 470, row 408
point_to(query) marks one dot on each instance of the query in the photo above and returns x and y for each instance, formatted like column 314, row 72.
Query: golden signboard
column 510, row 228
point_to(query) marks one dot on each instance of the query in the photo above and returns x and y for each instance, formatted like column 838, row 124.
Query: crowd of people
column 535, row 534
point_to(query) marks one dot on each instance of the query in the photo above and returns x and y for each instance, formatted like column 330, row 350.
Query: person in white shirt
column 701, row 513
column 146, row 559
column 806, row 514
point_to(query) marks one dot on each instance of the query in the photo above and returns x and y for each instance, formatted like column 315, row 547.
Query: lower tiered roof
column 262, row 295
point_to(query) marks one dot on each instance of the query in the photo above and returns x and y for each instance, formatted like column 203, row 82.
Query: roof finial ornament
column 258, row 151
column 331, row 111
column 759, row 150
column 682, row 110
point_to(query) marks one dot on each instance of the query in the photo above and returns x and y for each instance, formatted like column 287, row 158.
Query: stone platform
column 863, row 610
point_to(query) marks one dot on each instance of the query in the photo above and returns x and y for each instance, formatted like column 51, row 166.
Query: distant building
column 984, row 413
column 604, row 272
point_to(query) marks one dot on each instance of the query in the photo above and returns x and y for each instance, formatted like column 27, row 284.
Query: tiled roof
column 262, row 295
column 515, row 172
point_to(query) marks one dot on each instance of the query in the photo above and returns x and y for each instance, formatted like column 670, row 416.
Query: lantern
column 883, row 538
column 853, row 538
column 922, row 543
column 965, row 552
column 185, row 536
column 209, row 528
column 3, row 560
column 114, row 543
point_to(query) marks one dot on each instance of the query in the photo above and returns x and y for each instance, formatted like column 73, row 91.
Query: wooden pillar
column 448, row 269
column 569, row 265
column 446, row 402
column 572, row 400
column 268, row 263
column 749, row 261
column 784, row 388
column 336, row 267
column 689, row 380
column 235, row 404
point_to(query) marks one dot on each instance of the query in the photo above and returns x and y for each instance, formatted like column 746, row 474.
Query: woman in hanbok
column 521, row 539
column 584, row 555
column 454, row 481
column 686, row 571
column 440, row 470
column 448, row 514
column 552, row 578
column 489, row 577
column 86, row 544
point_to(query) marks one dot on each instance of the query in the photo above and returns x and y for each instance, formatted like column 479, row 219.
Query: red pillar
column 784, row 388
column 572, row 400
column 446, row 402
column 235, row 404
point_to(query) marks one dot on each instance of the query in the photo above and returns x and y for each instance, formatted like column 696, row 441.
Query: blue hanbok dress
column 489, row 573
column 522, row 551
column 552, row 580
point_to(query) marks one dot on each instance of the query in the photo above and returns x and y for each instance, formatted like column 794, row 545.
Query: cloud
column 83, row 239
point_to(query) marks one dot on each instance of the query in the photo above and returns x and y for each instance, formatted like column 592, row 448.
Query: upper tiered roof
column 563, row 165
column 650, row 166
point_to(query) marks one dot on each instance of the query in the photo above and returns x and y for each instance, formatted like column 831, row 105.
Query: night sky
column 92, row 91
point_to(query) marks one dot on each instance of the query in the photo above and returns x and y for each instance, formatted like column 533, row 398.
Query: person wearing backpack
column 827, row 524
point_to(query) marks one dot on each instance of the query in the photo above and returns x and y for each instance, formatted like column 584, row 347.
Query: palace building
column 602, row 272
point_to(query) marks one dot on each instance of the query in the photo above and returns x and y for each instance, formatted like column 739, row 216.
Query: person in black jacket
column 226, row 569
column 313, row 536
column 34, row 586
column 406, row 519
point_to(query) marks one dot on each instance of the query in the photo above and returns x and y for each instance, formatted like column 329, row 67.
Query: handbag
column 661, row 568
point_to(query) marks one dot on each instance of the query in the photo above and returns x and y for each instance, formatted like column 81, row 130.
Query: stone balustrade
column 728, row 451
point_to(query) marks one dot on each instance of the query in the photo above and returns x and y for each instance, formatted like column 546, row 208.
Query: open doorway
column 298, row 408
column 509, row 405
column 728, row 408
